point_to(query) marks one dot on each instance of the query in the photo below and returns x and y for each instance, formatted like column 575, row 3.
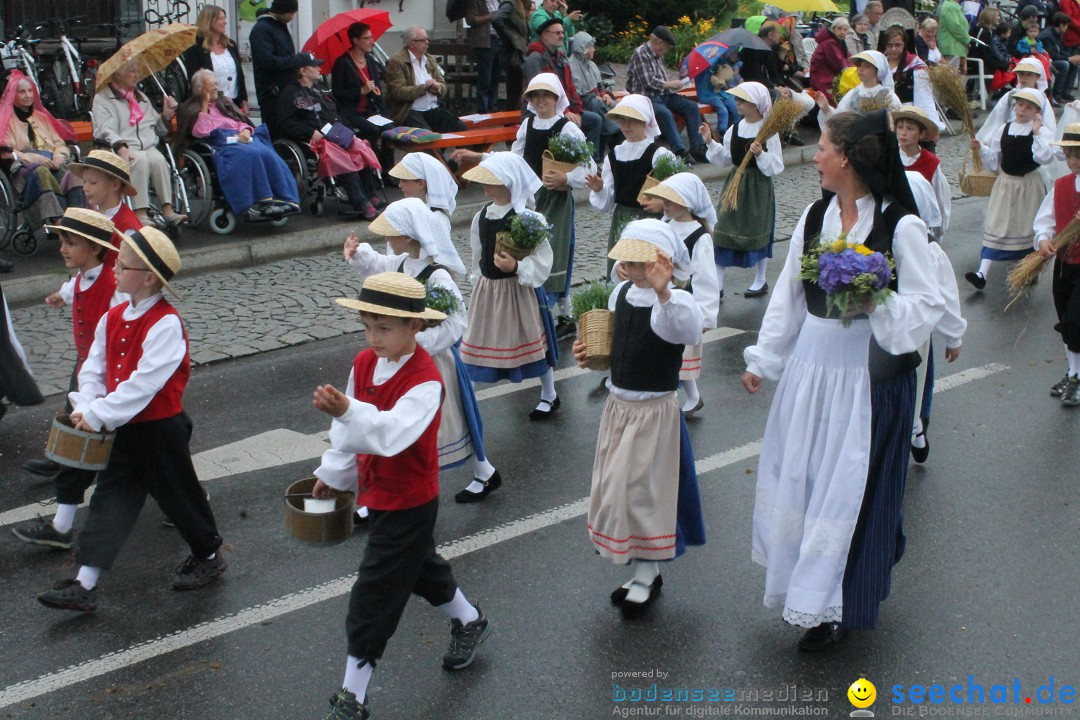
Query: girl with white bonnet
column 743, row 236
column 418, row 247
column 511, row 334
column 689, row 212
column 616, row 188
column 419, row 175
column 644, row 506
column 874, row 91
column 1031, row 75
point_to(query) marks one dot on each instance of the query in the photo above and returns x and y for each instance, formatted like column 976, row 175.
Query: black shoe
column 6, row 265
column 41, row 466
column 975, row 279
column 69, row 595
column 492, row 484
column 465, row 640
column 1058, row 389
column 360, row 520
column 631, row 610
column 565, row 328
column 699, row 154
column 41, row 532
column 346, row 707
column 618, row 595
column 538, row 414
column 763, row 290
column 822, row 637
column 694, row 410
column 195, row 573
column 1071, row 396
column 919, row 454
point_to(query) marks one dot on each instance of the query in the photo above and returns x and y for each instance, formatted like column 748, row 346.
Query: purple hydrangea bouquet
column 851, row 275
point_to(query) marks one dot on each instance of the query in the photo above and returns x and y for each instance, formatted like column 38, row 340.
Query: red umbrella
column 330, row 41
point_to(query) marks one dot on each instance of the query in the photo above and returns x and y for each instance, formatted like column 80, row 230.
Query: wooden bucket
column 596, row 329
column 504, row 242
column 550, row 163
column 77, row 448
column 650, row 182
column 317, row 528
column 978, row 184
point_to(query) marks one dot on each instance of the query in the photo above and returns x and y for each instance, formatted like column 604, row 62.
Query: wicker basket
column 979, row 184
column 650, row 182
column 550, row 163
column 595, row 329
column 504, row 242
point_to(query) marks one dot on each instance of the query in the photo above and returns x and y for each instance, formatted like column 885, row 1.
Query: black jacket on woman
column 198, row 58
column 346, row 83
column 302, row 110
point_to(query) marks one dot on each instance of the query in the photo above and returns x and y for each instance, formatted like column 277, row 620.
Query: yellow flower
column 863, row 250
column 838, row 246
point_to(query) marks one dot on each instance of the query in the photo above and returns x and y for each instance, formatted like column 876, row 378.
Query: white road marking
column 282, row 447
column 30, row 689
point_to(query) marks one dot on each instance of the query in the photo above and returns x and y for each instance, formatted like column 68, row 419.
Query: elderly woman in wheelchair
column 253, row 178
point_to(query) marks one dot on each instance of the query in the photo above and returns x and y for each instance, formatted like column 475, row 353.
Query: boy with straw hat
column 418, row 247
column 106, row 182
column 384, row 429
column 133, row 383
column 644, row 506
column 913, row 126
column 1061, row 206
column 85, row 238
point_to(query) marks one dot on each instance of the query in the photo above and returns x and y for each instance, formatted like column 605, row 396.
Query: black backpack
column 455, row 9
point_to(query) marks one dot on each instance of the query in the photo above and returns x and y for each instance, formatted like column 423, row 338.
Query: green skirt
column 619, row 218
column 748, row 226
column 558, row 207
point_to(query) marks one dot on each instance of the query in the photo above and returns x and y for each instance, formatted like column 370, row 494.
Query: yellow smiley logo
column 862, row 693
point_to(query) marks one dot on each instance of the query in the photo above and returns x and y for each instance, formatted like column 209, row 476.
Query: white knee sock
column 65, row 516
column 357, row 676
column 482, row 469
column 984, row 267
column 759, row 278
column 918, row 440
column 692, row 396
column 547, row 385
column 645, row 571
column 460, row 609
column 720, row 276
column 88, row 576
column 1074, row 363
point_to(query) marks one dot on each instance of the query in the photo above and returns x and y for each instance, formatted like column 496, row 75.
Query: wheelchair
column 312, row 189
column 15, row 231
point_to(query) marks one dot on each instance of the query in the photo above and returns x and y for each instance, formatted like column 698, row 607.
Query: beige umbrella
column 153, row 51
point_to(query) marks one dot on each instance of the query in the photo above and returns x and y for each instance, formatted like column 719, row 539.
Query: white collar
column 909, row 160
column 134, row 312
column 386, row 369
column 92, row 274
column 494, row 212
column 112, row 212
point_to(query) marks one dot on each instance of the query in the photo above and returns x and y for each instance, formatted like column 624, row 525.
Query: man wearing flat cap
column 646, row 75
column 414, row 84
column 274, row 58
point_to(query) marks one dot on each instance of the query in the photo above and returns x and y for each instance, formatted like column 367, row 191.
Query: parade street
column 985, row 594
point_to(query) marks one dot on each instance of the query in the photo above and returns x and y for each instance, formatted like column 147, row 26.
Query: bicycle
column 19, row 54
column 86, row 87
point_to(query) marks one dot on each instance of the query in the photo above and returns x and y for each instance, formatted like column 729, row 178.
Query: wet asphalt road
column 987, row 587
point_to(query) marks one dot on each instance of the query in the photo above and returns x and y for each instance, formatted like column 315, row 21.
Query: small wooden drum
column 317, row 528
column 77, row 448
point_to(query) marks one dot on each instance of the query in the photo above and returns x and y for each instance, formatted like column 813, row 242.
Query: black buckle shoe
column 761, row 291
column 632, row 610
column 975, row 279
column 919, row 454
column 552, row 406
column 822, row 637
column 492, row 484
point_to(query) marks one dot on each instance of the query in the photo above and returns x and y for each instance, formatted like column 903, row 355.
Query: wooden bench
column 481, row 139
column 84, row 131
column 461, row 74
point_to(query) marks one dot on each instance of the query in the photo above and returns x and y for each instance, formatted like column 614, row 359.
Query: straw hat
column 483, row 176
column 401, row 172
column 109, row 163
column 627, row 112
column 630, row 250
column 667, row 193
column 1030, row 65
column 740, row 92
column 1071, row 136
column 88, row 224
column 157, row 251
column 536, row 85
column 381, row 226
column 916, row 114
column 865, row 56
column 1032, row 96
column 395, row 294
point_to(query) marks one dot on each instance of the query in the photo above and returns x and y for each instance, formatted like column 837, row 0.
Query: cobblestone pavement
column 234, row 313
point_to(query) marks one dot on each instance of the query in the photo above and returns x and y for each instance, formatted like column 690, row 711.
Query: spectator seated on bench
column 414, row 85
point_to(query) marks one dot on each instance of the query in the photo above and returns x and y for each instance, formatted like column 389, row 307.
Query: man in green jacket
column 554, row 9
column 953, row 38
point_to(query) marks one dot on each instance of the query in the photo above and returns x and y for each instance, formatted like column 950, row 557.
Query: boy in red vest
column 913, row 126
column 1061, row 205
column 384, row 430
column 85, row 238
column 132, row 383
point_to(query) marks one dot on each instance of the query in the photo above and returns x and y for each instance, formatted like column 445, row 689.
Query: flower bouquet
column 850, row 274
column 566, row 153
column 441, row 298
column 527, row 232
column 665, row 167
column 596, row 324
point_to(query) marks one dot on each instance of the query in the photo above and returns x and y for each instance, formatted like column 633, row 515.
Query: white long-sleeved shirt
column 900, row 325
column 850, row 102
column 162, row 351
column 770, row 162
column 532, row 271
column 952, row 324
column 704, row 283
column 67, row 290
column 364, row 429
column 368, row 261
column 576, row 177
column 1003, row 112
column 604, row 198
column 676, row 321
column 941, row 190
column 1045, row 225
column 1041, row 149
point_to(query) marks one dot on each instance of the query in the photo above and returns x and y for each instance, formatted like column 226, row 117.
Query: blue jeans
column 592, row 125
column 1062, row 71
column 487, row 70
column 666, row 106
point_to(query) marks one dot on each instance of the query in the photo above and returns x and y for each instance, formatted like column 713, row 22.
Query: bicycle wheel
column 65, row 88
column 51, row 97
column 7, row 210
column 198, row 188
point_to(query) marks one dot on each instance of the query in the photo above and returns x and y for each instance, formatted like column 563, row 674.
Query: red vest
column 409, row 479
column 926, row 165
column 123, row 348
column 124, row 220
column 87, row 309
column 1066, row 203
